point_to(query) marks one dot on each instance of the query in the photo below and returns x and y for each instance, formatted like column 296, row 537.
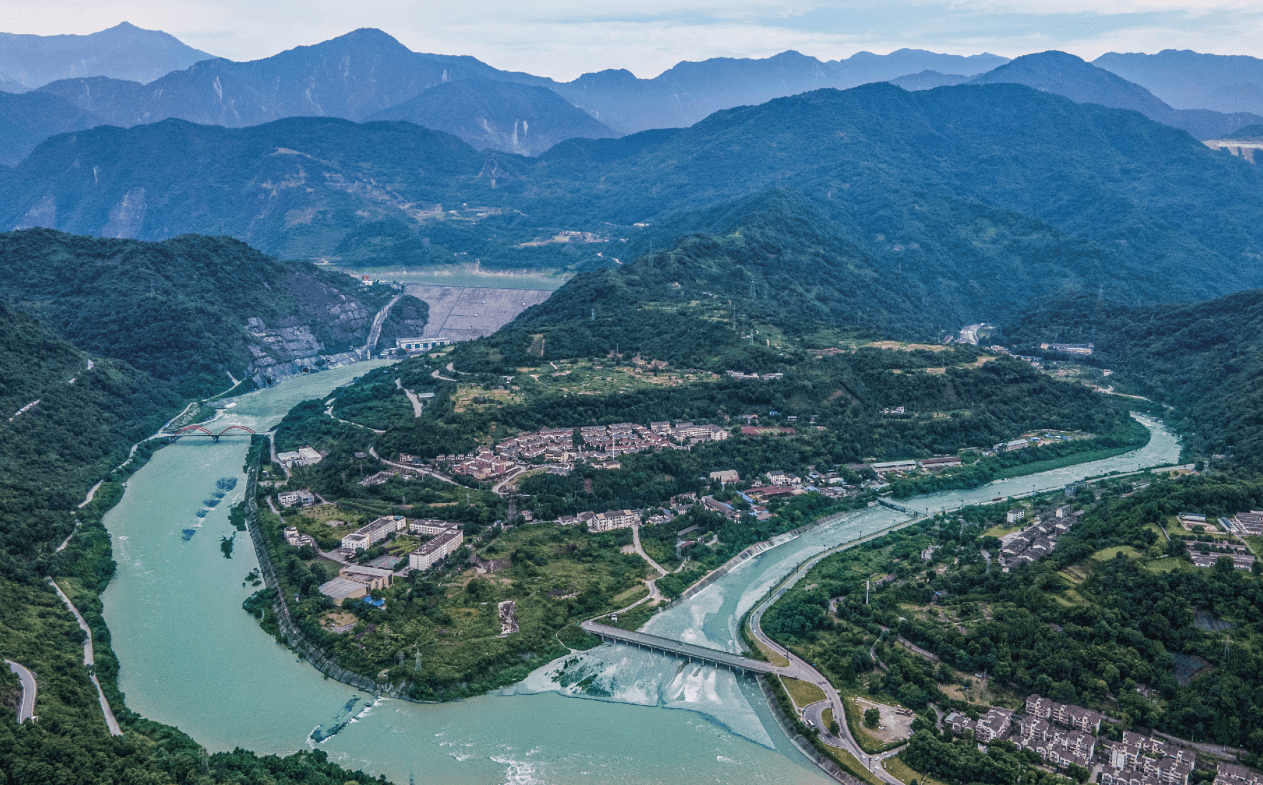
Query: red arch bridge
column 197, row 430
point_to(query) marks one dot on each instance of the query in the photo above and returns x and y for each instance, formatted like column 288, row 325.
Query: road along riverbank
column 190, row 656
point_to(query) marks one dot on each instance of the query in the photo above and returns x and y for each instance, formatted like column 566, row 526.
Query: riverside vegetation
column 675, row 339
column 80, row 430
column 1116, row 618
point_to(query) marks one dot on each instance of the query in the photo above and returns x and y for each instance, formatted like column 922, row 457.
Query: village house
column 296, row 540
column 613, row 519
column 290, row 498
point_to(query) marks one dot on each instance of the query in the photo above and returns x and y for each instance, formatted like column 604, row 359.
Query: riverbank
column 177, row 625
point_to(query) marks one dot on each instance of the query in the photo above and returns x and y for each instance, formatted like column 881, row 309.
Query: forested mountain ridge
column 190, row 310
column 1083, row 82
column 1205, row 359
column 27, row 119
column 1095, row 196
column 68, row 422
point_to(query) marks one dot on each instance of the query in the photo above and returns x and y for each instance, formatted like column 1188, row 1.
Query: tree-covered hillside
column 181, row 309
column 65, row 426
column 956, row 182
column 1205, row 359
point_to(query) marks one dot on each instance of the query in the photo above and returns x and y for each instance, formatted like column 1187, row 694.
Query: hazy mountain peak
column 124, row 51
column 1082, row 82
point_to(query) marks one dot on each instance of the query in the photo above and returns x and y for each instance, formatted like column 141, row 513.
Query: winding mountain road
column 89, row 660
column 26, row 709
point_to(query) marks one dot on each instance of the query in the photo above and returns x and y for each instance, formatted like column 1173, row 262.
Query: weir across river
column 733, row 662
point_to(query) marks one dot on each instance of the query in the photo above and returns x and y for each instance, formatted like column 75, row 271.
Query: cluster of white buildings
column 303, row 456
column 596, row 443
column 1063, row 734
column 1037, row 540
column 767, row 377
column 445, row 538
column 1207, row 553
column 1230, row 774
column 1145, row 760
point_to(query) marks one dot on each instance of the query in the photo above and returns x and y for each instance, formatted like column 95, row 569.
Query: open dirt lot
column 461, row 313
column 894, row 726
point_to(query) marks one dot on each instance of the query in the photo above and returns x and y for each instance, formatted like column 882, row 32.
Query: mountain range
column 982, row 194
column 1065, row 74
column 367, row 74
column 121, row 52
column 1193, row 80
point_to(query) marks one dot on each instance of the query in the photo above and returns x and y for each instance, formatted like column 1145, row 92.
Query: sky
column 565, row 38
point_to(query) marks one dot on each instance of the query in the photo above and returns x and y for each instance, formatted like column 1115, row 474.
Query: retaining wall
column 294, row 637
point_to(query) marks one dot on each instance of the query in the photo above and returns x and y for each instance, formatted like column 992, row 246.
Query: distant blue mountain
column 1085, row 83
column 513, row 118
column 1192, row 80
column 122, row 52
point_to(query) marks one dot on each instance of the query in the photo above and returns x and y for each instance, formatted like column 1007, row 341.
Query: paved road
column 376, row 330
column 91, row 495
column 419, row 469
column 26, row 709
column 803, row 671
column 89, row 659
column 417, row 408
column 329, row 411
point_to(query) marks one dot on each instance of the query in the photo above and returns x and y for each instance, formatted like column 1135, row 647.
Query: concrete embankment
column 294, row 637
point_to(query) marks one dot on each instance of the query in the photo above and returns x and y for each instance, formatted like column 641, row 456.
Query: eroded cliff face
column 330, row 326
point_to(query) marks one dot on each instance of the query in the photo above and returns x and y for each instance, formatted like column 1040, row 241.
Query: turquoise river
column 191, row 657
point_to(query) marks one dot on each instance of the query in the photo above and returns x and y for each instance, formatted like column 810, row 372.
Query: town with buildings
column 599, row 444
column 1037, row 540
column 1065, row 735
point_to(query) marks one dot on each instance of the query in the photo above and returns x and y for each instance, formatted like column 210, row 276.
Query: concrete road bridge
column 655, row 643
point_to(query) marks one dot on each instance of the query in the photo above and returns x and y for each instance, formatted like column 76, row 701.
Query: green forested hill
column 965, row 182
column 80, row 427
column 178, row 309
column 1205, row 359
